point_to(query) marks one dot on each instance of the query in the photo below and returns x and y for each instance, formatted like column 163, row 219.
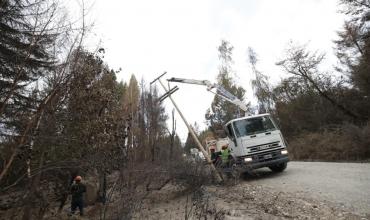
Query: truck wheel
column 278, row 167
column 235, row 171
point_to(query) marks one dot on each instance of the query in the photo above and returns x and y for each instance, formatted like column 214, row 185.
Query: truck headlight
column 284, row 152
column 248, row 159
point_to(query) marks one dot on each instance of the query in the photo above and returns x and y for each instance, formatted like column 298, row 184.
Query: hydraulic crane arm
column 192, row 81
column 220, row 91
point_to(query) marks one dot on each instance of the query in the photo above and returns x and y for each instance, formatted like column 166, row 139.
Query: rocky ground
column 306, row 190
column 345, row 184
column 240, row 201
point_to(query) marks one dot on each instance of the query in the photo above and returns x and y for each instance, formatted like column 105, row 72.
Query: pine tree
column 190, row 143
column 24, row 51
column 353, row 46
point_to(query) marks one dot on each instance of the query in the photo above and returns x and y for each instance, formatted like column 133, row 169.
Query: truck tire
column 235, row 171
column 278, row 167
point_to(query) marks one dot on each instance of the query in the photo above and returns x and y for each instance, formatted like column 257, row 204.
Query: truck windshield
column 252, row 126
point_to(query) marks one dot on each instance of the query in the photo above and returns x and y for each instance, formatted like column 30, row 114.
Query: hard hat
column 78, row 178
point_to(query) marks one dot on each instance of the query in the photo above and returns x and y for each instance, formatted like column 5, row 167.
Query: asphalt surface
column 343, row 184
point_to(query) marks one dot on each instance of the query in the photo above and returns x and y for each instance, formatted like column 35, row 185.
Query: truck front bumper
column 256, row 163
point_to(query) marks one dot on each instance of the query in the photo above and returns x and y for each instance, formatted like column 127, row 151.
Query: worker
column 225, row 155
column 77, row 191
column 212, row 149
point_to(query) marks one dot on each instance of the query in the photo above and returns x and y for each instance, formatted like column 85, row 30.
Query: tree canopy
column 221, row 110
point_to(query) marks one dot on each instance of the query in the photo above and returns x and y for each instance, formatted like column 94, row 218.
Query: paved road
column 345, row 184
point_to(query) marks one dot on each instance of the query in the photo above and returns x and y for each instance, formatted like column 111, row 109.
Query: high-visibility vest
column 225, row 155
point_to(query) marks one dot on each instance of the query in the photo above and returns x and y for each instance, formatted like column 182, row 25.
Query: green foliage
column 77, row 121
column 78, row 130
column 360, row 74
column 190, row 142
column 300, row 108
column 83, row 128
column 25, row 56
column 28, row 32
column 151, row 125
column 305, row 65
column 326, row 117
column 121, row 91
column 353, row 46
column 346, row 142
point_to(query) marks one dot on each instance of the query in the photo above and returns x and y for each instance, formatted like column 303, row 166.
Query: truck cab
column 255, row 142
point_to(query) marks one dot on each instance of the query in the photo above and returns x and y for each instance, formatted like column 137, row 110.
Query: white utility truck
column 255, row 141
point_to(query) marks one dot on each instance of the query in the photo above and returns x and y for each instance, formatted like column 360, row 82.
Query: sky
column 147, row 38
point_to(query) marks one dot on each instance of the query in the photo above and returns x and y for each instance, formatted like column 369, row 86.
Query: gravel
column 346, row 185
column 305, row 190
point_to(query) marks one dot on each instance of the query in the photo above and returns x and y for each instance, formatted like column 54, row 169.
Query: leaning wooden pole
column 200, row 146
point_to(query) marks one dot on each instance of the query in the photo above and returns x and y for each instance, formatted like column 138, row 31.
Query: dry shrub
column 133, row 184
column 129, row 188
column 191, row 174
column 200, row 206
column 345, row 143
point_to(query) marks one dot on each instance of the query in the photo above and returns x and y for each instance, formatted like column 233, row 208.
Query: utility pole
column 173, row 132
column 200, row 146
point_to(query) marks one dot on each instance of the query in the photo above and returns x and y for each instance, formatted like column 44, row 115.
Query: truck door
column 231, row 134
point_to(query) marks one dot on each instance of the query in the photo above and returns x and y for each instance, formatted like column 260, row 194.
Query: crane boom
column 220, row 91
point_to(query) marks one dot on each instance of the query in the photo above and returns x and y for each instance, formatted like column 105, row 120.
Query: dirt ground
column 345, row 184
column 303, row 191
column 239, row 201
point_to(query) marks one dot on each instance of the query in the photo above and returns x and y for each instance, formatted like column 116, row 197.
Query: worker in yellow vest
column 225, row 156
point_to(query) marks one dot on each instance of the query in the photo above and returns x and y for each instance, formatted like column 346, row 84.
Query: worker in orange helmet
column 77, row 191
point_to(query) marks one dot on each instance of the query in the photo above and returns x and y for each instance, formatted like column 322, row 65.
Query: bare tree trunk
column 8, row 163
column 31, row 199
column 35, row 119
